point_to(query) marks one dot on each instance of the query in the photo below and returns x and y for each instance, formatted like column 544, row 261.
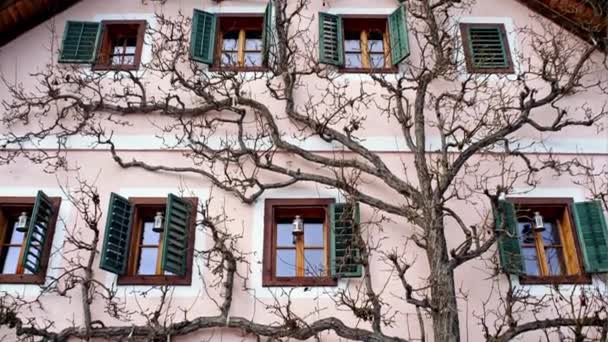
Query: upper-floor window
column 231, row 42
column 486, row 48
column 553, row 240
column 363, row 44
column 108, row 45
column 150, row 240
column 309, row 242
column 27, row 225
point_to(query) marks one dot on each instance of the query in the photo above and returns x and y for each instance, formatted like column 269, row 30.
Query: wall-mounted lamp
column 158, row 222
column 298, row 228
column 22, row 222
column 539, row 225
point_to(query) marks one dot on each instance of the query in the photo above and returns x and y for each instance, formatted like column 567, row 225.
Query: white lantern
column 158, row 222
column 22, row 222
column 539, row 225
column 298, row 227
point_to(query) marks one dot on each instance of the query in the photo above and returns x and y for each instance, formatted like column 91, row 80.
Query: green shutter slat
column 487, row 47
column 344, row 254
column 331, row 43
column 80, row 40
column 400, row 46
column 37, row 233
column 592, row 235
column 202, row 38
column 117, row 235
column 508, row 243
column 267, row 33
column 175, row 235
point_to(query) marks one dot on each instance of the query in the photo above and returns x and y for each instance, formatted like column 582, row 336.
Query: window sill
column 115, row 67
column 22, row 279
column 238, row 69
column 502, row 71
column 155, row 280
column 556, row 280
column 368, row 71
column 299, row 281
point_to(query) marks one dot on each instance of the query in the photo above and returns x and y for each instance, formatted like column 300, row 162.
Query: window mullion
column 159, row 253
column 387, row 50
column 20, row 265
column 364, row 50
column 300, row 256
column 540, row 251
column 241, row 48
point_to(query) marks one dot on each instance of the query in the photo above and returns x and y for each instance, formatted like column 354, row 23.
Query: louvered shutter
column 508, row 241
column 344, row 252
column 592, row 235
column 202, row 39
column 400, row 46
column 331, row 43
column 80, row 40
column 115, row 250
column 487, row 47
column 267, row 33
column 175, row 235
column 37, row 233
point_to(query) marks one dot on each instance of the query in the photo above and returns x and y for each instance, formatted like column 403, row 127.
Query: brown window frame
column 362, row 26
column 464, row 29
column 246, row 22
column 581, row 277
column 130, row 278
column 28, row 202
column 102, row 61
column 269, row 268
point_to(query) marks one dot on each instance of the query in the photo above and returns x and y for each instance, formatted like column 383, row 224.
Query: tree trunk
column 443, row 290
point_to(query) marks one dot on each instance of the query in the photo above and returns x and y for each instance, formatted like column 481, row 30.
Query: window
column 486, row 48
column 108, row 45
column 150, row 240
column 227, row 42
column 27, row 225
column 548, row 238
column 323, row 250
column 363, row 44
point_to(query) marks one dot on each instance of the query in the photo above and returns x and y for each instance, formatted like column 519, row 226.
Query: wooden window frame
column 269, row 258
column 130, row 278
column 464, row 33
column 245, row 25
column 105, row 46
column 581, row 277
column 28, row 202
column 356, row 24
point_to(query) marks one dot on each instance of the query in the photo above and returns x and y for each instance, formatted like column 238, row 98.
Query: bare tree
column 243, row 147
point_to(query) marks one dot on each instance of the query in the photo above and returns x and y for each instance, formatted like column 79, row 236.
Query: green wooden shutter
column 397, row 25
column 592, row 235
column 508, row 242
column 267, row 33
column 344, row 253
column 202, row 40
column 487, row 47
column 37, row 233
column 115, row 250
column 331, row 44
column 175, row 235
column 80, row 40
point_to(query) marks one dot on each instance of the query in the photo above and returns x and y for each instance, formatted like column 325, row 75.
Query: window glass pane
column 526, row 233
column 11, row 260
column 530, row 261
column 16, row 236
column 229, row 58
column 253, row 59
column 130, row 50
column 313, row 234
column 149, row 237
column 147, row 261
column 551, row 234
column 554, row 260
column 353, row 60
column 314, row 262
column 352, row 42
column 286, row 263
column 230, row 41
column 253, row 40
column 284, row 234
column 375, row 42
column 377, row 60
